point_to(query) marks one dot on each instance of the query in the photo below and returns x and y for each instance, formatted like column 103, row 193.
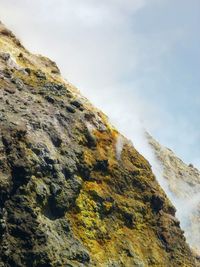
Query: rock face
column 68, row 196
column 183, row 183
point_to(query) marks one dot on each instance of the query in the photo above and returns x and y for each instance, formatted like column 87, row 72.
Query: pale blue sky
column 134, row 59
column 175, row 85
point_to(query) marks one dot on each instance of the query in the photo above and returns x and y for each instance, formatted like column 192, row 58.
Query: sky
column 137, row 60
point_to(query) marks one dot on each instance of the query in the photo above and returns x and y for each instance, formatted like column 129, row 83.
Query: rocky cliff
column 183, row 187
column 69, row 196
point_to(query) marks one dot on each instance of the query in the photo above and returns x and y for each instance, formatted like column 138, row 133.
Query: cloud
column 120, row 52
column 123, row 56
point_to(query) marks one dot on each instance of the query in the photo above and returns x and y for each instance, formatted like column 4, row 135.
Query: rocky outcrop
column 183, row 187
column 68, row 196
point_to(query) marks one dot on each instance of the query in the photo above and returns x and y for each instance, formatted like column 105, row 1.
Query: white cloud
column 98, row 48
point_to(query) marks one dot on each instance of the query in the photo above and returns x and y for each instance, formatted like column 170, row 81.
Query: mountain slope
column 68, row 195
column 183, row 183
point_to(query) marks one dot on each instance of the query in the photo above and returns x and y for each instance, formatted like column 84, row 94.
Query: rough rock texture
column 66, row 197
column 184, row 186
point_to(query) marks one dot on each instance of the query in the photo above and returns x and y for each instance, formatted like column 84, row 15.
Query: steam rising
column 119, row 146
column 181, row 183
